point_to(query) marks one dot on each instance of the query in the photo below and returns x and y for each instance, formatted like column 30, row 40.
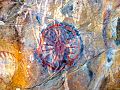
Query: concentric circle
column 60, row 46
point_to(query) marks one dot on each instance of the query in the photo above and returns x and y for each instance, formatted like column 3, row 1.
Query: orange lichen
column 19, row 79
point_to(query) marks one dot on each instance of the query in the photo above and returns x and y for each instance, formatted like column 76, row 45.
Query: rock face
column 59, row 44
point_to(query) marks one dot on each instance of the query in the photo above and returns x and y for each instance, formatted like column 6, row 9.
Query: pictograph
column 60, row 46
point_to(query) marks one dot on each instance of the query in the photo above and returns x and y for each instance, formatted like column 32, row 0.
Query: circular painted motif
column 60, row 46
